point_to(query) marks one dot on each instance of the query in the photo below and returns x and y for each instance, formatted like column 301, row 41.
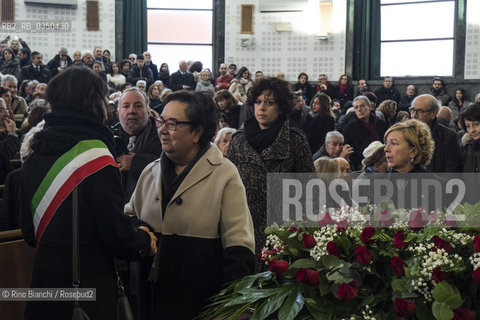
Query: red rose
column 463, row 314
column 417, row 221
column 398, row 266
column 399, row 240
column 404, row 308
column 476, row 276
column 476, row 244
column 347, row 291
column 439, row 275
column 292, row 228
column 278, row 266
column 332, row 249
column 363, row 256
column 385, row 219
column 342, row 225
column 308, row 276
column 308, row 241
column 326, row 220
column 442, row 244
column 367, row 233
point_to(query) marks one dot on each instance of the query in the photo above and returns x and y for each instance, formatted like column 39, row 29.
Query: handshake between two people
column 153, row 240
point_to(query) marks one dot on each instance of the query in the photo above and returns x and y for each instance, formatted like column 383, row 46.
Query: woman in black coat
column 75, row 133
column 319, row 121
column 343, row 91
column 304, row 88
column 9, row 64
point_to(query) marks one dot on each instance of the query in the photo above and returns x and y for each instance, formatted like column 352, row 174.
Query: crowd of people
column 179, row 163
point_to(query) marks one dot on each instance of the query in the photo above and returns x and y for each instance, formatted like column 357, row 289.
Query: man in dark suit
column 140, row 71
column 182, row 79
column 149, row 63
column 446, row 157
column 36, row 70
column 60, row 61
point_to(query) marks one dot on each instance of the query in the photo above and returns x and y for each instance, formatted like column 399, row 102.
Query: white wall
column 79, row 39
column 289, row 52
column 472, row 41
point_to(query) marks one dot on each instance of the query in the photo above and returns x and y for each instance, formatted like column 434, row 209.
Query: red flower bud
column 405, row 309
column 278, row 266
column 332, row 249
column 439, row 275
column 463, row 313
column 308, row 276
column 476, row 276
column 347, row 291
column 308, row 241
column 417, row 221
column 367, row 233
column 326, row 220
column 363, row 256
column 385, row 219
column 399, row 240
column 442, row 244
column 398, row 266
column 476, row 243
column 292, row 228
column 342, row 225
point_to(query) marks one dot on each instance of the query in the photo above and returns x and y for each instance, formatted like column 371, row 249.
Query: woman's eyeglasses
column 170, row 124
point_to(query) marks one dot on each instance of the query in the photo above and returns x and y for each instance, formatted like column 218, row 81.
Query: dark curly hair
column 281, row 91
column 471, row 113
column 200, row 109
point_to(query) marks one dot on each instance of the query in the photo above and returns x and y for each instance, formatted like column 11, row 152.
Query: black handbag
column 124, row 312
column 78, row 313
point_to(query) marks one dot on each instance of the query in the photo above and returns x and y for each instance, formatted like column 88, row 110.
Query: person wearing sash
column 74, row 150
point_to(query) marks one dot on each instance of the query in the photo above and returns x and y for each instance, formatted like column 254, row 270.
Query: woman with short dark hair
column 470, row 120
column 194, row 198
column 267, row 143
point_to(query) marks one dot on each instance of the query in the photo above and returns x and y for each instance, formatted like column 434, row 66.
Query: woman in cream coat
column 194, row 199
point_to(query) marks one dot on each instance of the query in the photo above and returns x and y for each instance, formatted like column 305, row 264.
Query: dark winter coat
column 178, row 80
column 307, row 91
column 54, row 64
column 9, row 146
column 358, row 137
column 29, row 72
column 383, row 94
column 11, row 67
column 346, row 96
column 316, row 129
column 446, row 157
column 288, row 153
column 104, row 230
column 136, row 74
column 470, row 154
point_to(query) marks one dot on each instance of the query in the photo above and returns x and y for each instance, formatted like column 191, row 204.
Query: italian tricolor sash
column 84, row 159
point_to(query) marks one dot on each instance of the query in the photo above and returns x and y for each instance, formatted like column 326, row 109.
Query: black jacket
column 446, row 157
column 346, row 96
column 383, row 94
column 307, row 90
column 358, row 137
column 405, row 103
column 54, row 64
column 11, row 67
column 105, row 231
column 9, row 146
column 178, row 80
column 154, row 69
column 147, row 149
column 136, row 74
column 316, row 129
column 29, row 72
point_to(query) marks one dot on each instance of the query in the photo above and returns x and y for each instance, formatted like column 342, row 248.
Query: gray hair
column 136, row 89
column 33, row 82
column 3, row 102
column 8, row 77
column 334, row 134
column 364, row 98
column 63, row 49
column 323, row 75
column 222, row 133
column 141, row 81
column 85, row 52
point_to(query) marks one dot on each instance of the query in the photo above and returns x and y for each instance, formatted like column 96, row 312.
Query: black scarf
column 164, row 74
column 64, row 129
column 260, row 139
column 170, row 180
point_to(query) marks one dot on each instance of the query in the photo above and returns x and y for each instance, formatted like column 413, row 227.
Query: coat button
column 178, row 201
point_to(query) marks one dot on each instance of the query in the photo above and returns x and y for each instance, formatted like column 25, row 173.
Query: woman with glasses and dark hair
column 194, row 198
column 268, row 143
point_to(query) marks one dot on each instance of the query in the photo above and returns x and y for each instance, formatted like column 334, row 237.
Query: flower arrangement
column 411, row 265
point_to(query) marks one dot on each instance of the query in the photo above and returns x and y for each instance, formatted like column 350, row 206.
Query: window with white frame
column 180, row 30
column 417, row 37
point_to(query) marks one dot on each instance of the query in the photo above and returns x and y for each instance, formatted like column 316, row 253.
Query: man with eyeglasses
column 136, row 139
column 446, row 157
column 9, row 142
column 59, row 62
column 324, row 86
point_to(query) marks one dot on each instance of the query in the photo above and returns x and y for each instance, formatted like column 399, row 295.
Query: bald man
column 446, row 157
